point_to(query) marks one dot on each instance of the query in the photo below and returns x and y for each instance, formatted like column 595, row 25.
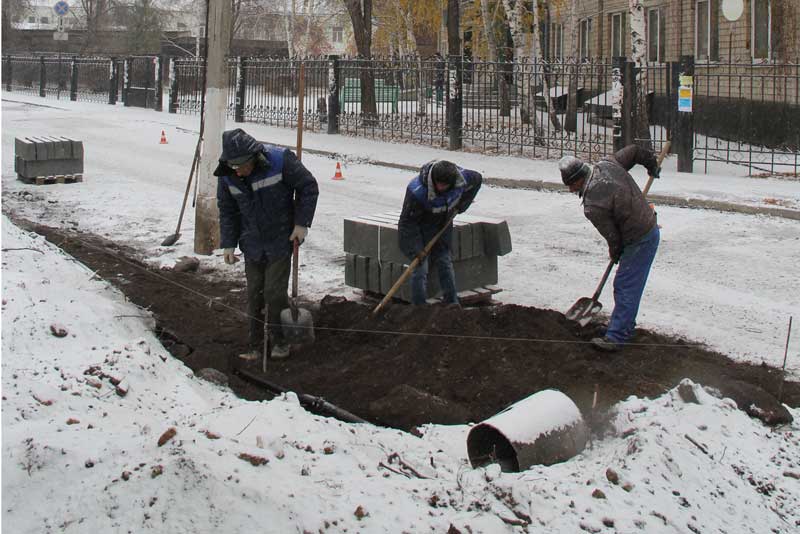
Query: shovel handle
column 295, row 256
column 413, row 265
column 659, row 159
column 603, row 281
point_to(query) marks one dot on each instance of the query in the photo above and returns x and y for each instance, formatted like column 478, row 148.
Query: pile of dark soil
column 410, row 365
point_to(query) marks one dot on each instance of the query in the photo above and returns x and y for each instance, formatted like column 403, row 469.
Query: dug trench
column 415, row 365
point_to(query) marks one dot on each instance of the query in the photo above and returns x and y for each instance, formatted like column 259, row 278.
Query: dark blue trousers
column 629, row 282
column 440, row 257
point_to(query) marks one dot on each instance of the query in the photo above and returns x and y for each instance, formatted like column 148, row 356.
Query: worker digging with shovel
column 615, row 205
column 266, row 200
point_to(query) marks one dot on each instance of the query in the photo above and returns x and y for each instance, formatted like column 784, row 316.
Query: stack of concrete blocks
column 48, row 160
column 374, row 262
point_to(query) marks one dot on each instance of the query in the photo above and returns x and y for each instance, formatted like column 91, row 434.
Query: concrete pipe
column 545, row 428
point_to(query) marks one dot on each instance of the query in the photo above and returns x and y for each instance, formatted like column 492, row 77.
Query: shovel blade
column 299, row 331
column 170, row 240
column 583, row 310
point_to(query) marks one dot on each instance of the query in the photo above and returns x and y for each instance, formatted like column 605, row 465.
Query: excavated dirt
column 410, row 365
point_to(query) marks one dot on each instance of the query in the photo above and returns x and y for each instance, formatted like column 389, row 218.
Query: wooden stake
column 785, row 354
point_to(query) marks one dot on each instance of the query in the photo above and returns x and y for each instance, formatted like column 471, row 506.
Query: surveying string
column 209, row 300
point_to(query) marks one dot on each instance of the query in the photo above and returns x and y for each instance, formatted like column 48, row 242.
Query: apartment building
column 756, row 31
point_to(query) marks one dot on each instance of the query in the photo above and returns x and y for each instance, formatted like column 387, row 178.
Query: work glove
column 230, row 258
column 462, row 206
column 299, row 233
column 655, row 173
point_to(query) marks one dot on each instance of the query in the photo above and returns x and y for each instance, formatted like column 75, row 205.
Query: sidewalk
column 725, row 188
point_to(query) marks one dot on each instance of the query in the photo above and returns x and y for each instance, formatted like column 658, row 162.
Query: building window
column 706, row 30
column 617, row 35
column 32, row 20
column 181, row 26
column 558, row 41
column 762, row 27
column 656, row 36
column 44, row 20
column 337, row 34
column 584, row 38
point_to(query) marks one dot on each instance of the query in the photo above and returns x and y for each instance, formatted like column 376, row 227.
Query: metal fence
column 749, row 115
column 742, row 113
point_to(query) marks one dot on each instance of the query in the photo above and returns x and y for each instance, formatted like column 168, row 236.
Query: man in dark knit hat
column 616, row 207
column 431, row 197
column 266, row 201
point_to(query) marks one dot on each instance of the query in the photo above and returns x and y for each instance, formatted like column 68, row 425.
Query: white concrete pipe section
column 545, row 428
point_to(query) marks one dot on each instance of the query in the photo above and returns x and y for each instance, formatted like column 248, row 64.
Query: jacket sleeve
column 474, row 180
column 408, row 227
column 230, row 218
column 305, row 185
column 633, row 154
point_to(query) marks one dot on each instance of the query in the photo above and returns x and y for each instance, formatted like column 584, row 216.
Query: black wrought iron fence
column 748, row 114
column 745, row 114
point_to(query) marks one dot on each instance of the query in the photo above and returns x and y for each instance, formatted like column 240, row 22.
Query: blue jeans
column 440, row 257
column 629, row 282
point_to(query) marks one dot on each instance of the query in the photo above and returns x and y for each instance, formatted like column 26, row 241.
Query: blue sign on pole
column 61, row 8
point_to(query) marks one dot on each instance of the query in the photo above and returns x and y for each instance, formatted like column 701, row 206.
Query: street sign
column 61, row 8
column 60, row 36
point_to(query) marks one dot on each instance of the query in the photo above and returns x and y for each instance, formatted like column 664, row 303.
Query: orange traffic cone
column 163, row 138
column 338, row 175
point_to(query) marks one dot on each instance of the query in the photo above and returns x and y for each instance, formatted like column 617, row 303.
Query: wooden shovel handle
column 659, row 159
column 413, row 265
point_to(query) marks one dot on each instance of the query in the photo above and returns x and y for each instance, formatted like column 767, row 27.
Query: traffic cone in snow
column 163, row 138
column 338, row 175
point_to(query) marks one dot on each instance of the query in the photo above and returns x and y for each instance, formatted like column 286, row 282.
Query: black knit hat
column 572, row 169
column 444, row 172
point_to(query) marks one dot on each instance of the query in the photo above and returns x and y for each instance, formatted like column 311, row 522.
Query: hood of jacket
column 425, row 176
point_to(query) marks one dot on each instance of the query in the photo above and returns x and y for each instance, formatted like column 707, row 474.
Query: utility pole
column 206, row 223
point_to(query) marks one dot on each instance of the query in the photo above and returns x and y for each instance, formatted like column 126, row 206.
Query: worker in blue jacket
column 266, row 200
column 431, row 197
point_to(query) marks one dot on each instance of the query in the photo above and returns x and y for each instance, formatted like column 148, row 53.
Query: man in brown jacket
column 614, row 204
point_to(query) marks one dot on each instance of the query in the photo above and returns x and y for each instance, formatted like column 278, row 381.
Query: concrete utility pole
column 206, row 223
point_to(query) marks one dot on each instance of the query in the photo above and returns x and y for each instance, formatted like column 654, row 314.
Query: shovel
column 585, row 308
column 297, row 323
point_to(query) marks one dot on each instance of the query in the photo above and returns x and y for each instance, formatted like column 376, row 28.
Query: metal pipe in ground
column 544, row 428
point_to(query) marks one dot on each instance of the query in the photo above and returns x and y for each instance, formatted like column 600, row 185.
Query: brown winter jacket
column 614, row 203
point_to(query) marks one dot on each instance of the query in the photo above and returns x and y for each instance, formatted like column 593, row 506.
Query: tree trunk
column 499, row 80
column 514, row 16
column 571, row 120
column 362, row 32
column 638, row 50
column 537, row 42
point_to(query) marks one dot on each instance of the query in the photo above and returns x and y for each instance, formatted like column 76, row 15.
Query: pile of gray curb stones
column 48, row 160
column 374, row 262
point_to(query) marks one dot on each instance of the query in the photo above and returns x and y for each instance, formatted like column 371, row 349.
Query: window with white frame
column 761, row 28
column 558, row 41
column 706, row 30
column 337, row 34
column 656, row 35
column 45, row 20
column 584, row 38
column 617, row 34
column 32, row 19
column 702, row 30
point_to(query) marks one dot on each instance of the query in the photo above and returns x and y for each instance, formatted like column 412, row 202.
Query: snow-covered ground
column 79, row 457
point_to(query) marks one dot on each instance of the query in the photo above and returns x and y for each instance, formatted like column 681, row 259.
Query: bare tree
column 494, row 54
column 638, row 52
column 96, row 15
column 13, row 10
column 360, row 12
column 537, row 51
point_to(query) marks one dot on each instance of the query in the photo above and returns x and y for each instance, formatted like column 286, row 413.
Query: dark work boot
column 606, row 345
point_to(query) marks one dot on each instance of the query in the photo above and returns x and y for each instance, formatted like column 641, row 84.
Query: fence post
column 683, row 134
column 42, row 77
column 241, row 84
column 126, row 80
column 73, row 80
column 112, row 81
column 455, row 103
column 628, row 103
column 8, row 72
column 159, row 89
column 334, row 86
column 173, row 86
